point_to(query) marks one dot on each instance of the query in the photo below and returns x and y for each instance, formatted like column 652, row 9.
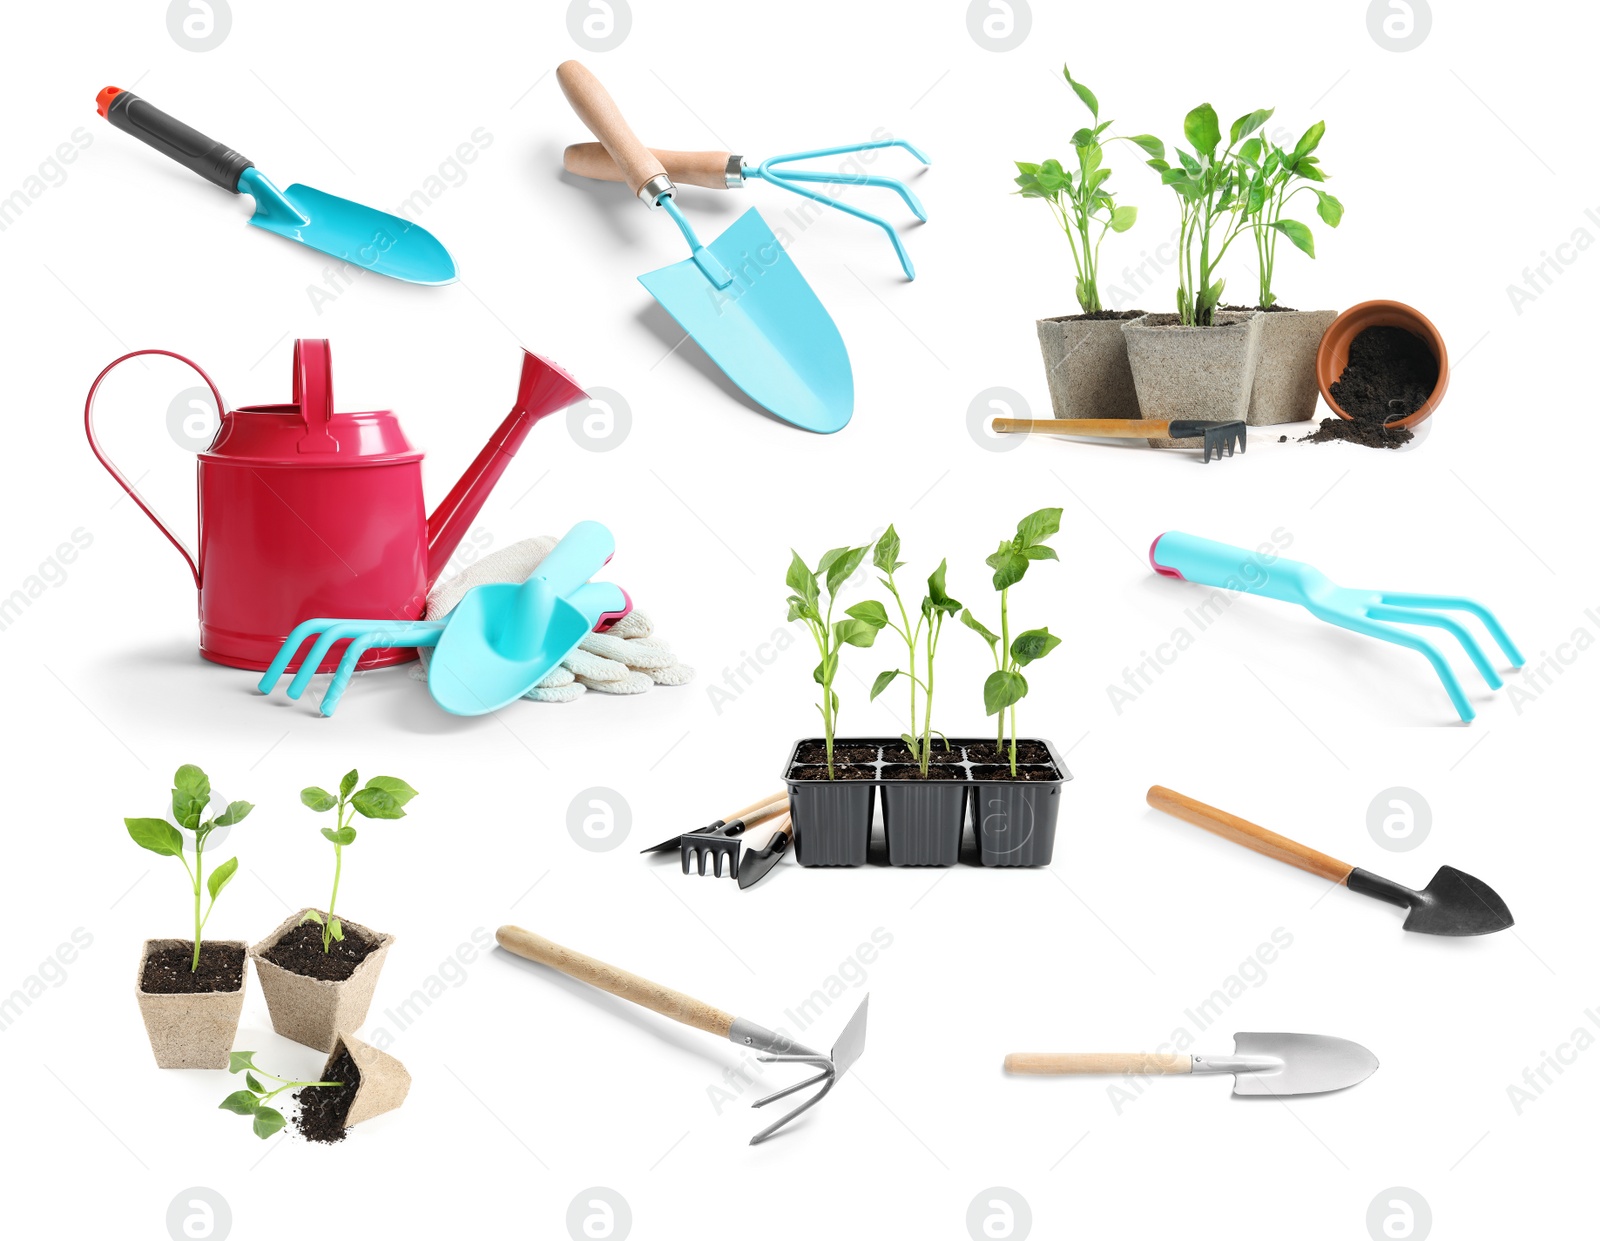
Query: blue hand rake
column 1375, row 613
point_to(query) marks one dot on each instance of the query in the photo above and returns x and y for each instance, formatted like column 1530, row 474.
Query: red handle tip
column 102, row 101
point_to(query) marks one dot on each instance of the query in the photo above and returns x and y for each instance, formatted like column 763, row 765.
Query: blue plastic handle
column 582, row 552
column 1209, row 563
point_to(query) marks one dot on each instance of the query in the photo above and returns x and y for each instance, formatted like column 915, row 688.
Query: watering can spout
column 544, row 389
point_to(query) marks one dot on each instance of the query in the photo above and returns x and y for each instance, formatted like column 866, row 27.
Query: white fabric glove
column 625, row 660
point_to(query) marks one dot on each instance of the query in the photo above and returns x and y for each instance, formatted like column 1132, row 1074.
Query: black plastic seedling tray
column 1013, row 818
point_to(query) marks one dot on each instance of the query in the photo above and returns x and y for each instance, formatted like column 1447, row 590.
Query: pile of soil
column 1389, row 376
column 817, row 752
column 1027, row 752
column 1001, row 772
column 910, row 771
column 323, row 1108
column 300, row 952
column 1266, row 310
column 166, row 970
column 898, row 753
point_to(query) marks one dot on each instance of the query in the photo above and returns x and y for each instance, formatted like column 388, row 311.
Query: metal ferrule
column 733, row 174
column 655, row 189
column 749, row 1034
column 1235, row 1064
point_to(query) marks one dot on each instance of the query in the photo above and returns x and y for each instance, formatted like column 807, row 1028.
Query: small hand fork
column 1375, row 613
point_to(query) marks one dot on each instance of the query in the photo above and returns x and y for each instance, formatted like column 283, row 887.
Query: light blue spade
column 504, row 638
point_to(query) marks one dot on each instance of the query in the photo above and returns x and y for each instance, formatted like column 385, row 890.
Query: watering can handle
column 122, row 479
column 313, row 394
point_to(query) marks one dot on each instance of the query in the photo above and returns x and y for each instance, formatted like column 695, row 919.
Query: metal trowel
column 1261, row 1064
column 363, row 236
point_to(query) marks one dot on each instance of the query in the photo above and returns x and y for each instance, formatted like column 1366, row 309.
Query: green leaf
column 799, row 609
column 855, row 632
column 1150, row 145
column 1308, row 171
column 1190, row 164
column 1308, row 142
column 870, row 611
column 1040, row 552
column 394, row 786
column 251, row 1081
column 318, row 799
column 1038, row 526
column 241, row 1102
column 344, row 836
column 1083, row 138
column 883, row 681
column 1297, row 233
column 236, row 811
column 219, row 877
column 1031, row 645
column 1212, row 297
column 1008, row 564
column 1001, row 690
column 1122, row 219
column 238, row 1060
column 801, row 580
column 311, row 915
column 191, row 794
column 1250, row 152
column 1329, row 208
column 336, row 928
column 156, row 835
column 936, row 592
column 371, row 803
column 351, row 779
column 268, row 1121
column 1248, row 124
column 979, row 628
column 886, row 552
column 842, row 566
column 1200, row 127
column 1083, row 93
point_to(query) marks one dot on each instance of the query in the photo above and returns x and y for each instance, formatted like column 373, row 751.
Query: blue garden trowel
column 502, row 639
column 741, row 298
column 363, row 236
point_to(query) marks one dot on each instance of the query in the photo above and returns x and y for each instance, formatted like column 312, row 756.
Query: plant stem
column 1005, row 656
column 199, row 854
column 338, row 865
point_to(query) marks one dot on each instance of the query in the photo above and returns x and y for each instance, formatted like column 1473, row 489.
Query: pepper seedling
column 253, row 1100
column 1006, row 686
column 382, row 797
column 191, row 798
column 1083, row 207
column 1212, row 186
column 920, row 639
column 859, row 628
column 1276, row 176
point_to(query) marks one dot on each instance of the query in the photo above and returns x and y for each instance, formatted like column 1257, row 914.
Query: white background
column 1460, row 163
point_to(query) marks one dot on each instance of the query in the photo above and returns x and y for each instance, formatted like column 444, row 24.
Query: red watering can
column 307, row 512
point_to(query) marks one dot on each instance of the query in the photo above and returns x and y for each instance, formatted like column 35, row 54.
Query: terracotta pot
column 314, row 1011
column 384, row 1080
column 190, row 1031
column 1194, row 372
column 1333, row 354
column 1285, row 386
column 1086, row 366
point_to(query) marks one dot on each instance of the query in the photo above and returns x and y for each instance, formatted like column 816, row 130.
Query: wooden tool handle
column 783, row 827
column 769, row 811
column 756, row 807
column 1243, row 832
column 1107, row 428
column 620, row 983
column 1141, row 1063
column 597, row 110
column 707, row 169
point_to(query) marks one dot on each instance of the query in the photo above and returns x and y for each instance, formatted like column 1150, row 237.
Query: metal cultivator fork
column 1375, row 613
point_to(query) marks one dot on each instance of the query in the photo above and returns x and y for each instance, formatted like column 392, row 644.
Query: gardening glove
column 627, row 659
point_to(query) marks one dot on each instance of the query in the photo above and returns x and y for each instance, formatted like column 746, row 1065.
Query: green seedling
column 1079, row 200
column 253, row 1100
column 191, row 798
column 1006, row 686
column 1212, row 186
column 1274, row 177
column 921, row 639
column 382, row 797
column 859, row 627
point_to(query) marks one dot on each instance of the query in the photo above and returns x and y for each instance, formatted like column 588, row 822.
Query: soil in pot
column 1027, row 752
column 898, row 753
column 1086, row 365
column 300, row 952
column 323, row 1108
column 816, row 752
column 1390, row 375
column 840, row 773
column 166, row 970
column 1000, row 773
